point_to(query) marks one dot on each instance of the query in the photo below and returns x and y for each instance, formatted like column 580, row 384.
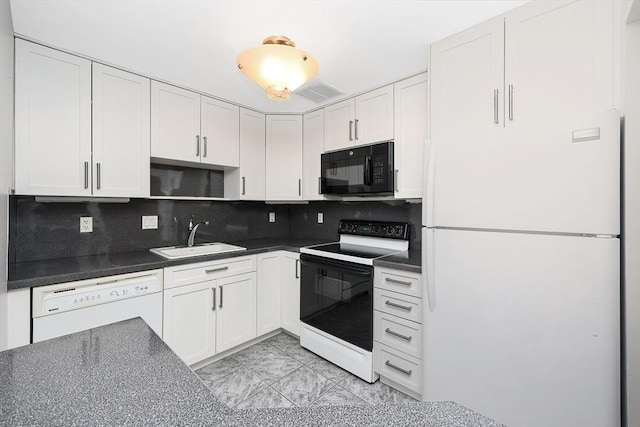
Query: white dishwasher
column 70, row 307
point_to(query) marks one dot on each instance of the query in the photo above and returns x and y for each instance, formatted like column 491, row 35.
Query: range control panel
column 393, row 230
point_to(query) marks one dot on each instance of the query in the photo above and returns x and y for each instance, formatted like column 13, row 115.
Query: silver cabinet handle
column 402, row 307
column 299, row 187
column 86, row 175
column 395, row 334
column 397, row 282
column 398, row 368
column 297, row 269
column 204, row 149
column 511, row 102
column 395, row 179
column 495, row 106
column 350, row 130
column 220, row 306
column 98, row 176
column 213, row 270
column 197, row 145
column 319, row 185
column 356, row 129
column 243, row 186
column 213, row 307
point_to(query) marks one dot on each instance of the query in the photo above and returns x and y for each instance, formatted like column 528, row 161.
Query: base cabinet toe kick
column 397, row 330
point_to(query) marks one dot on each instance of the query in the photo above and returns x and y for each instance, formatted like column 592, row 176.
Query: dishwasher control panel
column 63, row 297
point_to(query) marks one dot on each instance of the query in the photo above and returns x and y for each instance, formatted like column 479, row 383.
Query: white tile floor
column 278, row 373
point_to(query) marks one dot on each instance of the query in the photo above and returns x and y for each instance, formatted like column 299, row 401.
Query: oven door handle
column 368, row 171
column 331, row 265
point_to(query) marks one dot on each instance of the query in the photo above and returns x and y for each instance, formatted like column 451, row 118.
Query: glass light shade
column 278, row 66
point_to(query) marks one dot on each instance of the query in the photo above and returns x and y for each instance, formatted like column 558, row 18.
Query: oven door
column 336, row 297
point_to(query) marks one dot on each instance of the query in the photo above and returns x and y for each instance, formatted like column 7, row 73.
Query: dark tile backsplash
column 51, row 230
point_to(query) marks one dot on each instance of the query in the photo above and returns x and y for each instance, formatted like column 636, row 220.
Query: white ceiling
column 359, row 45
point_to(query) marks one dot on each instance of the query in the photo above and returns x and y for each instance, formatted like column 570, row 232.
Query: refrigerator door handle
column 428, row 267
column 429, row 183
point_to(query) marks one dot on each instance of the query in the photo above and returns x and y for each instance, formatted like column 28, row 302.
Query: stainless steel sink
column 176, row 252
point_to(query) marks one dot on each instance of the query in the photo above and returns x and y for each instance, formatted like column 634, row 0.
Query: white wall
column 6, row 153
column 630, row 97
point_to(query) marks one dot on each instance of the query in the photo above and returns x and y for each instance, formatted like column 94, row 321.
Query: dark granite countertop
column 124, row 374
column 47, row 272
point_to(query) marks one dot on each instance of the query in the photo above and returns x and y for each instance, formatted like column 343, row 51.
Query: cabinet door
column 220, row 127
column 374, row 116
column 339, row 121
column 466, row 76
column 312, row 148
column 284, row 157
column 121, row 136
column 268, row 292
column 52, row 122
column 190, row 321
column 291, row 292
column 236, row 311
column 410, row 121
column 252, row 155
column 175, row 123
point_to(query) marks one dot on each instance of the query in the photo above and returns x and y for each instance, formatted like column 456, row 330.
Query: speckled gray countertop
column 47, row 272
column 124, row 374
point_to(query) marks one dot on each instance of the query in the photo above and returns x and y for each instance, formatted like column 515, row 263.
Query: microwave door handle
column 368, row 172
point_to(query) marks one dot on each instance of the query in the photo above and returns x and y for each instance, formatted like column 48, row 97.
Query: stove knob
column 390, row 230
column 343, row 226
column 399, row 230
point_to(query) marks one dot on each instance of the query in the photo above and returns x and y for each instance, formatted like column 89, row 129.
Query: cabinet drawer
column 398, row 367
column 399, row 281
column 397, row 333
column 400, row 305
column 193, row 273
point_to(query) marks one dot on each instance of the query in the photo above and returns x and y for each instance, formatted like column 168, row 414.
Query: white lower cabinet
column 290, row 291
column 269, row 283
column 209, row 307
column 397, row 329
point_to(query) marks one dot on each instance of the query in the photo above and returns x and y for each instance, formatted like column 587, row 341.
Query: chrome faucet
column 192, row 230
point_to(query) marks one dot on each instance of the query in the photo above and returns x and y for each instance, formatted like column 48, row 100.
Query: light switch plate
column 150, row 222
column 86, row 224
column 320, row 217
column 272, row 217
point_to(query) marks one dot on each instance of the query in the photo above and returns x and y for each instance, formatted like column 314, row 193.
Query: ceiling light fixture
column 278, row 66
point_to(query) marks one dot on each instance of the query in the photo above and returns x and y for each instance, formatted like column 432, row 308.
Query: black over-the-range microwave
column 366, row 170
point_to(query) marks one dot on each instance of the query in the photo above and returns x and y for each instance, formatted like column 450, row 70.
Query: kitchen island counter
column 124, row 374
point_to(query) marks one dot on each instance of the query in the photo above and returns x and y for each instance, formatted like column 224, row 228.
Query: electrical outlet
column 272, row 217
column 320, row 217
column 150, row 222
column 86, row 224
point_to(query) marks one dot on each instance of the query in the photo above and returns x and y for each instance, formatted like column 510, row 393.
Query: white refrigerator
column 521, row 263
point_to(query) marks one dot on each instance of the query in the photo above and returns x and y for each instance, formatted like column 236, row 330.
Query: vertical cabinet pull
column 496, row 120
column 299, row 187
column 98, row 176
column 350, row 130
column 511, row 102
column 243, row 186
column 213, row 307
column 220, row 306
column 356, row 129
column 86, row 175
column 395, row 180
column 204, row 148
column 197, row 145
column 297, row 269
column 319, row 185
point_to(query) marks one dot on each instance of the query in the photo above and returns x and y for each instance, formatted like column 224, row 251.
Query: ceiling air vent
column 318, row 91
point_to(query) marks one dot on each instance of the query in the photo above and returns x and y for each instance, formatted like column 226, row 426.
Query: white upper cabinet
column 284, row 157
column 312, row 148
column 188, row 127
column 55, row 154
column 517, row 102
column 175, row 123
column 410, row 122
column 248, row 181
column 52, row 122
column 121, row 138
column 220, row 127
column 365, row 119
